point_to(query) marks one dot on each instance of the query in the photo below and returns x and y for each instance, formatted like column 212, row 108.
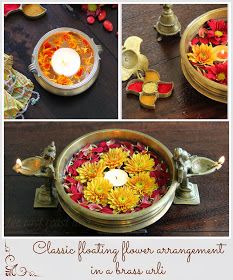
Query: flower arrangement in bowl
column 116, row 180
column 65, row 61
column 208, row 51
column 204, row 52
column 116, row 177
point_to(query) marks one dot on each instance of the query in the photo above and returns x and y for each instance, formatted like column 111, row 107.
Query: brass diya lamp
column 68, row 72
column 202, row 84
column 181, row 165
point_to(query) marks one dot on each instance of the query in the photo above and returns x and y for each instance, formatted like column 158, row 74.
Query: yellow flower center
column 122, row 199
column 203, row 56
column 218, row 33
column 99, row 189
column 139, row 184
column 221, row 76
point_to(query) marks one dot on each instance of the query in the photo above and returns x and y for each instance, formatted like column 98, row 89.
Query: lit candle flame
column 18, row 163
column 221, row 160
column 222, row 51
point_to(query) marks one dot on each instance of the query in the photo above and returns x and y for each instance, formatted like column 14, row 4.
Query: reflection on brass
column 132, row 60
column 211, row 89
column 168, row 23
column 41, row 166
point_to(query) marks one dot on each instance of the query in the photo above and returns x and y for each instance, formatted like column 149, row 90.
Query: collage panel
column 174, row 61
column 60, row 61
column 116, row 178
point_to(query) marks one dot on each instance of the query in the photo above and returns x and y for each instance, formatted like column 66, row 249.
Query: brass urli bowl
column 65, row 90
column 202, row 84
column 115, row 223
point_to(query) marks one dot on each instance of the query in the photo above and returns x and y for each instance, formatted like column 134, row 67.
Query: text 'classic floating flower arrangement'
column 209, row 52
column 116, row 177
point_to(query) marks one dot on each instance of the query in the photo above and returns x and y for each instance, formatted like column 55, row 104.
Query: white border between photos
column 229, row 118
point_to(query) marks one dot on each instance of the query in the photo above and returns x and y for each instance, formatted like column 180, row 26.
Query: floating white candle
column 116, row 177
column 65, row 61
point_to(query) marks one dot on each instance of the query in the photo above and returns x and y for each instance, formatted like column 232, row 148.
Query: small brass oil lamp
column 181, row 165
column 41, row 166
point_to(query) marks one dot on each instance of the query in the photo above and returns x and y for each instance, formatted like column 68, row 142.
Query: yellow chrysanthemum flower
column 142, row 183
column 89, row 171
column 114, row 158
column 97, row 191
column 123, row 199
column 202, row 54
column 139, row 163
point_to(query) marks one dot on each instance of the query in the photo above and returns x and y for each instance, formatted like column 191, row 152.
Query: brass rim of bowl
column 60, row 30
column 96, row 215
column 220, row 13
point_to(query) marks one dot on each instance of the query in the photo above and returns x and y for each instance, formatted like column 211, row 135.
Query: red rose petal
column 98, row 150
column 94, row 206
column 75, row 197
column 106, row 210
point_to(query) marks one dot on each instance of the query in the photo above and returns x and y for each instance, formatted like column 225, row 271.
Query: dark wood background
column 185, row 102
column 25, row 139
column 99, row 101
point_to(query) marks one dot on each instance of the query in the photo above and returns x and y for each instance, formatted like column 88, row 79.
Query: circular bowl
column 64, row 90
column 202, row 84
column 115, row 223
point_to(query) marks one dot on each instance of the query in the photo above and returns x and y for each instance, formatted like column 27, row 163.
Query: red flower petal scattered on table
column 108, row 25
column 102, row 15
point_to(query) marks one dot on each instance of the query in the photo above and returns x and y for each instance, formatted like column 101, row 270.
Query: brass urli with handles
column 182, row 166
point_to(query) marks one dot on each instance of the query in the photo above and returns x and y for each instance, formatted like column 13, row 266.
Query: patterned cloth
column 18, row 91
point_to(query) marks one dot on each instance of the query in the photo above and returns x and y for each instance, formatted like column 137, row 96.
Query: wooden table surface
column 22, row 35
column 185, row 102
column 25, row 139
